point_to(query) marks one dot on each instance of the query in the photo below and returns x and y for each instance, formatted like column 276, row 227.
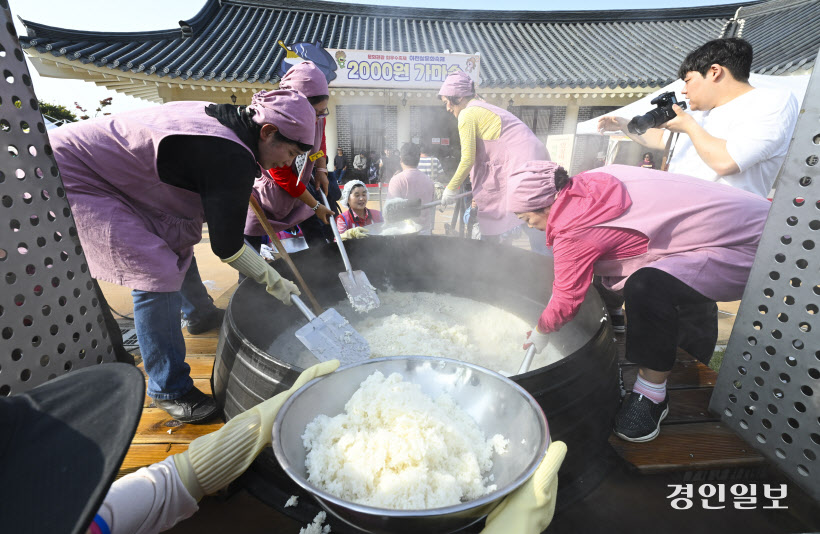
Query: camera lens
column 640, row 124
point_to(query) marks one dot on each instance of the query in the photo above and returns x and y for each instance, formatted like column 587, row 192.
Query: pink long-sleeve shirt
column 574, row 259
column 578, row 243
column 619, row 219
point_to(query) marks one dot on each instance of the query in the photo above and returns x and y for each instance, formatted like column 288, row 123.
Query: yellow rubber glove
column 354, row 233
column 252, row 265
column 529, row 509
column 215, row 460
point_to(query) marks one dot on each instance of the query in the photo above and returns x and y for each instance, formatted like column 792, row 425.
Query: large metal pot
column 579, row 394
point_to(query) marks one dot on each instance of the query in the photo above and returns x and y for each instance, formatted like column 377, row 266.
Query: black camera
column 655, row 117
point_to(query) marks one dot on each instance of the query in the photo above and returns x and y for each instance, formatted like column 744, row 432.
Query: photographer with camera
column 736, row 134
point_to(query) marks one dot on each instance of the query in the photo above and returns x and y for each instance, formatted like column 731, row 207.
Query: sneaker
column 209, row 322
column 618, row 322
column 639, row 419
column 193, row 407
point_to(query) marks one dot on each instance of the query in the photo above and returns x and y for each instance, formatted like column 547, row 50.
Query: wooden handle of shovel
column 263, row 220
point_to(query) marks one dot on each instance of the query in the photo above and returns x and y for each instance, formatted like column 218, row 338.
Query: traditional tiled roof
column 785, row 35
column 235, row 41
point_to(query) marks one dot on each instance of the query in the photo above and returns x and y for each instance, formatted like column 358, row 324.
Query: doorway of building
column 437, row 132
column 367, row 135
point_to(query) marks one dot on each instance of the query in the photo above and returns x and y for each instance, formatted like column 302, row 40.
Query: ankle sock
column 654, row 392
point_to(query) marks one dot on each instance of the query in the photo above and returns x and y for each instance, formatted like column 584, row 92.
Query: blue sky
column 105, row 15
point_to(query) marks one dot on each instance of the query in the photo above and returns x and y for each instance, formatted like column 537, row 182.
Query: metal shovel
column 525, row 363
column 528, row 357
column 399, row 209
column 330, row 336
column 359, row 290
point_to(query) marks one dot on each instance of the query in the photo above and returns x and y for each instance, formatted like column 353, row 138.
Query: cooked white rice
column 395, row 447
column 432, row 324
column 316, row 527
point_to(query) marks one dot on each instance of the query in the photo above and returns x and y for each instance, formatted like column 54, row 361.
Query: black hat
column 61, row 445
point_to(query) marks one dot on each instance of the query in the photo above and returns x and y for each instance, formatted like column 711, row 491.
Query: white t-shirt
column 757, row 127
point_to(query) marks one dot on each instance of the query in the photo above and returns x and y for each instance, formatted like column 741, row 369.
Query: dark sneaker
column 209, row 322
column 618, row 322
column 639, row 419
column 193, row 407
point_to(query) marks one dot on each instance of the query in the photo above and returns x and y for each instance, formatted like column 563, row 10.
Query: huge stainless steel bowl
column 498, row 405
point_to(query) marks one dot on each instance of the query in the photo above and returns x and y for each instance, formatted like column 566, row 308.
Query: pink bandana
column 289, row 111
column 457, row 84
column 532, row 187
column 305, row 78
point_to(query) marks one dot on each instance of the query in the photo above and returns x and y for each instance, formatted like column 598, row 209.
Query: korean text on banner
column 397, row 70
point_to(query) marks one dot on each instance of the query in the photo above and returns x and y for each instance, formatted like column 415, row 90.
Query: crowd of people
column 662, row 245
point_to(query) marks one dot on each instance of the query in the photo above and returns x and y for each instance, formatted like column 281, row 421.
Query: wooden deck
column 691, row 437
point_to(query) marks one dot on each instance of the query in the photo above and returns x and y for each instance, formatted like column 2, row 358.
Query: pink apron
column 494, row 162
column 283, row 210
column 136, row 231
column 703, row 233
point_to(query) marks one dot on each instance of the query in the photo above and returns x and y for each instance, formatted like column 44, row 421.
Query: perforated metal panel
column 50, row 320
column 768, row 389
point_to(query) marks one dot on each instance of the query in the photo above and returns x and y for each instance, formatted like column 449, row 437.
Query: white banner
column 560, row 149
column 399, row 70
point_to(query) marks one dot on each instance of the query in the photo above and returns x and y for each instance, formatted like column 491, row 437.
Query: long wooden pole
column 263, row 220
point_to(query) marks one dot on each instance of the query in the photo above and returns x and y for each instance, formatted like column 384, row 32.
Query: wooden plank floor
column 158, row 435
column 691, row 437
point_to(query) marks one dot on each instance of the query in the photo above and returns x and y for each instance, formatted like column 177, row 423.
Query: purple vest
column 136, row 231
column 283, row 211
column 494, row 162
column 703, row 233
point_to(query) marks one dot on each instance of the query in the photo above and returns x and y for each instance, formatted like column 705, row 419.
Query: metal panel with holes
column 50, row 319
column 768, row 389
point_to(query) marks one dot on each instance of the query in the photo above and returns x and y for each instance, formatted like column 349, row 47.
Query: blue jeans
column 340, row 175
column 156, row 319
column 196, row 302
column 162, row 346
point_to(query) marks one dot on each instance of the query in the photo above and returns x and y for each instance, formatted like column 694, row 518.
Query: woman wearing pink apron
column 494, row 143
column 668, row 242
column 140, row 185
column 282, row 192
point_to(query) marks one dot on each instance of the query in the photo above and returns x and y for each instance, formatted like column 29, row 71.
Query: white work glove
column 529, row 509
column 213, row 461
column 438, row 189
column 447, row 197
column 534, row 337
column 252, row 265
column 354, row 233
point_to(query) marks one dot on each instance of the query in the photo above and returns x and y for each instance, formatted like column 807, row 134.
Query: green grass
column 717, row 359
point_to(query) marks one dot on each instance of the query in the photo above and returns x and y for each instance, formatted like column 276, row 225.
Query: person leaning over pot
column 358, row 215
column 140, row 185
column 281, row 191
column 668, row 242
column 91, row 415
column 494, row 143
